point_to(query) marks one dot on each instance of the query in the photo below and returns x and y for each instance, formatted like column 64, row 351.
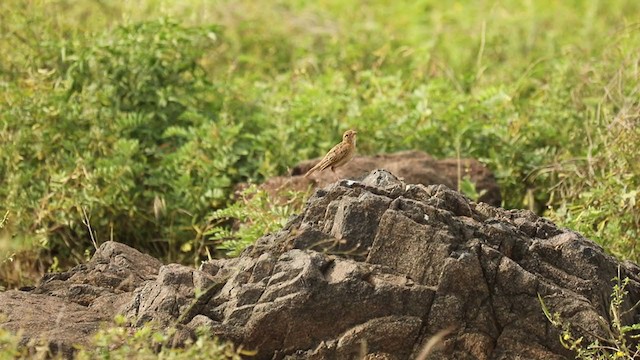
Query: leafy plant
column 9, row 345
column 468, row 187
column 122, row 342
column 253, row 215
column 616, row 345
column 148, row 121
column 598, row 194
column 133, row 120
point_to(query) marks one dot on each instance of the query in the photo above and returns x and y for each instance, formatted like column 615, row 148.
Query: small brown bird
column 338, row 155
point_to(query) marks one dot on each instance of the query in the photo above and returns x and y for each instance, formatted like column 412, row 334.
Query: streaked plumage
column 338, row 155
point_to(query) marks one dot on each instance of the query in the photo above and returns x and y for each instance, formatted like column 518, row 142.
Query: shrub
column 254, row 214
column 597, row 193
column 131, row 121
column 147, row 124
column 621, row 340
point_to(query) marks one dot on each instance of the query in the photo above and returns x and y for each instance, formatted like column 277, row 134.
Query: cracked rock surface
column 373, row 268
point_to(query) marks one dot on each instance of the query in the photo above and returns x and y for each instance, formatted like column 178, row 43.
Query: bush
column 253, row 215
column 131, row 121
column 148, row 124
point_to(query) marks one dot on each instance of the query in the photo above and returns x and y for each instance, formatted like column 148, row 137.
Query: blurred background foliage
column 146, row 114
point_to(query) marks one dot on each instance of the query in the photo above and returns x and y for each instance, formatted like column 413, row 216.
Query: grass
column 619, row 341
column 122, row 342
column 115, row 108
column 146, row 114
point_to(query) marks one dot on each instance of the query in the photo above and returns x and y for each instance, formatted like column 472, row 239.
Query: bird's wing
column 334, row 156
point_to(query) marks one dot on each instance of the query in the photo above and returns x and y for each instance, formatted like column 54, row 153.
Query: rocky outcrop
column 66, row 308
column 369, row 269
column 413, row 167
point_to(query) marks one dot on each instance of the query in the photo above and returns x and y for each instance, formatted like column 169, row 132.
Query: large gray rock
column 370, row 269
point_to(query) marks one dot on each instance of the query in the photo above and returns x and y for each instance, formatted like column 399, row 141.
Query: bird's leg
column 335, row 176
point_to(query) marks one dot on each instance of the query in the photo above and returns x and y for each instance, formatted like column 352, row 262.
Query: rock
column 65, row 308
column 413, row 167
column 370, row 269
column 53, row 321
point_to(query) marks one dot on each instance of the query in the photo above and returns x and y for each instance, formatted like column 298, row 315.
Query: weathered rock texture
column 375, row 267
column 66, row 308
column 413, row 167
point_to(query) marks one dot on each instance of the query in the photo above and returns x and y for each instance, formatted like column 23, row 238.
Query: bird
column 338, row 155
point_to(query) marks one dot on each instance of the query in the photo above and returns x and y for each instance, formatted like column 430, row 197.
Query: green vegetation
column 256, row 214
column 122, row 342
column 620, row 339
column 146, row 121
column 138, row 118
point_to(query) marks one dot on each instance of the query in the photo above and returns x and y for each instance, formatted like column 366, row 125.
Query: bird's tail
column 311, row 171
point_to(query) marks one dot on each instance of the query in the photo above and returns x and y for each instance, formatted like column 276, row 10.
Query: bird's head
column 350, row 136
